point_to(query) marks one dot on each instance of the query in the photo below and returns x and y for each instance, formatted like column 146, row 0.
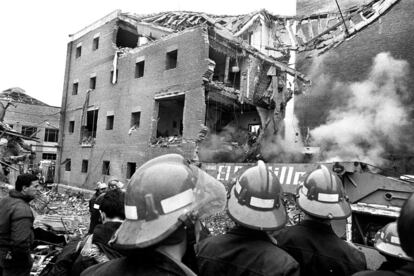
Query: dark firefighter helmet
column 321, row 195
column 256, row 199
column 388, row 242
column 406, row 226
column 164, row 193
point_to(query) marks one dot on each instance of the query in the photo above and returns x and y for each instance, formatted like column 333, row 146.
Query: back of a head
column 162, row 194
column 24, row 180
column 112, row 204
column 406, row 226
column 256, row 200
column 321, row 195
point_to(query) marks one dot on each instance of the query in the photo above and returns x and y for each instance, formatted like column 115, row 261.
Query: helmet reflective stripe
column 96, row 206
column 178, row 201
column 322, row 196
column 395, row 240
column 257, row 201
column 131, row 212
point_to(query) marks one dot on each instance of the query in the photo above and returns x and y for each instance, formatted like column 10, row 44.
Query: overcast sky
column 34, row 34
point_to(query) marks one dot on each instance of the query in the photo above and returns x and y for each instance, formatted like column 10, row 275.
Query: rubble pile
column 166, row 141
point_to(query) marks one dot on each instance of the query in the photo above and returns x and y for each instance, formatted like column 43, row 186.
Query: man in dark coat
column 165, row 194
column 101, row 188
column 313, row 242
column 248, row 249
column 16, row 227
column 96, row 249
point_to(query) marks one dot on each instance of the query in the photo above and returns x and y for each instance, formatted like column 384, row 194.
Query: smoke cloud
column 371, row 116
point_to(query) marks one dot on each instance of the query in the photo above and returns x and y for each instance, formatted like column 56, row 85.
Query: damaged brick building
column 138, row 87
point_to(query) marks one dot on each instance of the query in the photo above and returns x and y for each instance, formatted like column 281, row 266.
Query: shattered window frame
column 106, row 167
column 49, row 156
column 85, row 165
column 139, row 69
column 110, row 122
column 95, row 43
column 71, row 127
column 135, row 119
column 51, row 135
column 171, row 59
column 29, row 131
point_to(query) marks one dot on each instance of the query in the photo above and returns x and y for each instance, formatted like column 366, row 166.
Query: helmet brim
column 141, row 234
column 392, row 250
column 256, row 219
column 336, row 210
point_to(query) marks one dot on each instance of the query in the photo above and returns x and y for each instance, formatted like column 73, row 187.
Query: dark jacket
column 243, row 252
column 319, row 250
column 95, row 215
column 145, row 263
column 407, row 270
column 97, row 250
column 16, row 230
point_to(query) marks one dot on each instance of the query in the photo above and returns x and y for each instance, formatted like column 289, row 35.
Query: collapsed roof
column 18, row 95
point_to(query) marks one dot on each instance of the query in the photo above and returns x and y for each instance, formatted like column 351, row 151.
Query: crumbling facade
column 135, row 90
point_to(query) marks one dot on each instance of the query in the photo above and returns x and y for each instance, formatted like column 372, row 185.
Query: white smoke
column 372, row 117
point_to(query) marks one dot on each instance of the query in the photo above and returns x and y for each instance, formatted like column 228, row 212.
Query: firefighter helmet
column 388, row 242
column 406, row 226
column 256, row 199
column 164, row 193
column 321, row 195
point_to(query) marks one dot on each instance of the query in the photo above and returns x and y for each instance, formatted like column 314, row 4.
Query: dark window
column 68, row 165
column 89, row 131
column 112, row 80
column 170, row 117
column 131, row 167
column 95, row 43
column 92, row 83
column 49, row 156
column 139, row 69
column 71, row 126
column 29, row 131
column 10, row 125
column 105, row 167
column 135, row 118
column 75, row 88
column 171, row 60
column 51, row 135
column 84, row 168
column 78, row 51
column 109, row 122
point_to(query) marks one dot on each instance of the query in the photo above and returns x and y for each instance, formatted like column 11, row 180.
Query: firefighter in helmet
column 313, row 242
column 396, row 242
column 164, row 197
column 255, row 205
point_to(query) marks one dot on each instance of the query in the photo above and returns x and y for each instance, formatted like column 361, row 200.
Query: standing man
column 255, row 205
column 100, row 189
column 165, row 196
column 16, row 227
column 313, row 242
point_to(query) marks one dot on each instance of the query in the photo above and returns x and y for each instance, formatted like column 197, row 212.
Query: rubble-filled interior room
column 170, row 117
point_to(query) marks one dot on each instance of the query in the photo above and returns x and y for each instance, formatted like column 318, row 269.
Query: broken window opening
column 71, row 126
column 84, row 168
column 68, row 165
column 135, row 120
column 126, row 37
column 106, row 166
column 51, row 135
column 227, row 69
column 109, row 122
column 139, row 69
column 48, row 156
column 92, row 83
column 29, row 131
column 171, row 61
column 89, row 131
column 170, row 120
column 78, row 51
column 75, row 88
column 131, row 168
column 95, row 44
